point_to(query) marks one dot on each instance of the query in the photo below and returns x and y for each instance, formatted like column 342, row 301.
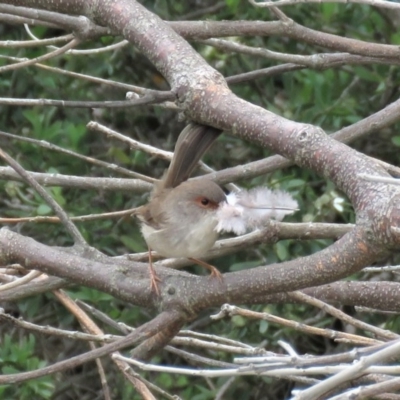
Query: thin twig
column 89, row 326
column 380, row 179
column 90, row 78
column 70, row 227
column 73, row 43
column 148, row 98
column 15, row 44
column 82, row 218
column 351, row 372
column 21, row 281
column 328, row 333
column 154, row 151
column 50, row 146
column 48, row 330
column 281, row 3
column 81, row 182
column 378, row 332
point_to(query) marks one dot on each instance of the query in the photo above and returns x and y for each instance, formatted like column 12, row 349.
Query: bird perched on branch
column 183, row 218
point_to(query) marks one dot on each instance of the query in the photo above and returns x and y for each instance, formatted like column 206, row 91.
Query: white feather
column 247, row 210
column 230, row 219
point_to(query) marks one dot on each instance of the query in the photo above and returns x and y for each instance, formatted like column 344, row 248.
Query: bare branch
column 73, row 43
column 314, row 61
column 15, row 44
column 71, row 228
column 379, row 333
column 149, row 98
column 81, row 182
column 21, row 281
column 46, row 145
column 228, row 310
column 351, row 372
column 280, row 3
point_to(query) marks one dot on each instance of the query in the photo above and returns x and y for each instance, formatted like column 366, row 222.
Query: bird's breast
column 181, row 239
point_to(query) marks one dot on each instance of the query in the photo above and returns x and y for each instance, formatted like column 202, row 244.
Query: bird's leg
column 214, row 272
column 154, row 279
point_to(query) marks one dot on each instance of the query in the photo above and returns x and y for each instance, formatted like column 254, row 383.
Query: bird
column 184, row 217
column 179, row 220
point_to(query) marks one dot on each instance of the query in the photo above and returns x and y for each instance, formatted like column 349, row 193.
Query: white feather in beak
column 250, row 209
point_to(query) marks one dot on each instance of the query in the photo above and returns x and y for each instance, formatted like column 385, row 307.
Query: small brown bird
column 183, row 218
column 180, row 219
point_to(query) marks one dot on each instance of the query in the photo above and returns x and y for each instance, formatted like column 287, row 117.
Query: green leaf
column 281, row 251
column 395, row 38
column 239, row 321
column 263, row 328
column 119, row 155
column 232, row 4
column 396, row 140
column 131, row 243
column 367, row 75
column 43, row 209
column 244, row 265
column 328, row 11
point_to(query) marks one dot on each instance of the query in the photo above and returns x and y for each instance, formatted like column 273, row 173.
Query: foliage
column 19, row 356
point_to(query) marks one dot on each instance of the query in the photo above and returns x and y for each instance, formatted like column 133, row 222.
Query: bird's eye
column 205, row 202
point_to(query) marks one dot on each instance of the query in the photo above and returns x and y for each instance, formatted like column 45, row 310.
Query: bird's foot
column 214, row 272
column 154, row 281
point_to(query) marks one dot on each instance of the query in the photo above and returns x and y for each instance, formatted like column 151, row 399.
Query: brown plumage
column 179, row 220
